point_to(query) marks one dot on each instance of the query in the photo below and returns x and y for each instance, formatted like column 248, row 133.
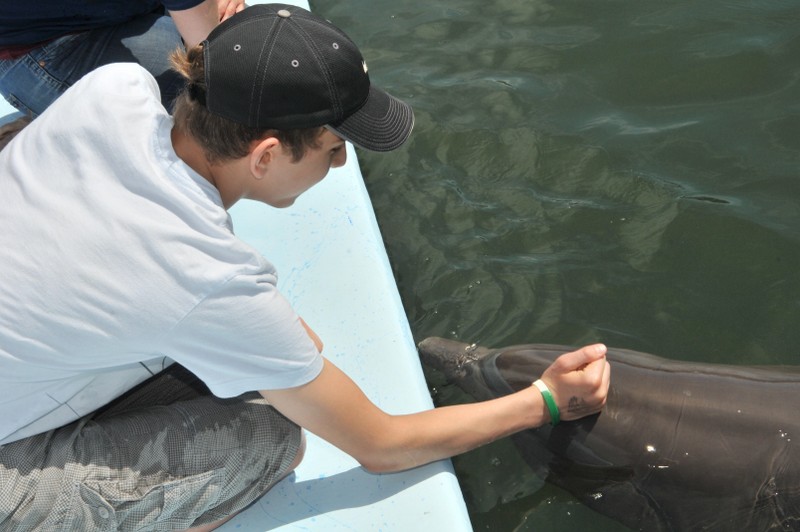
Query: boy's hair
column 220, row 138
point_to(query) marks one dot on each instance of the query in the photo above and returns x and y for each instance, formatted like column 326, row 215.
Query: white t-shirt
column 118, row 257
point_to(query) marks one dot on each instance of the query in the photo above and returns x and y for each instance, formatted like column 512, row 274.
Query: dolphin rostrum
column 679, row 446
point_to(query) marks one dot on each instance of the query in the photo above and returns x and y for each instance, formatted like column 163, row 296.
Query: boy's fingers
column 597, row 369
column 579, row 381
column 580, row 358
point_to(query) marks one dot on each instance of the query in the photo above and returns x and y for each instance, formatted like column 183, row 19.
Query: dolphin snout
column 449, row 356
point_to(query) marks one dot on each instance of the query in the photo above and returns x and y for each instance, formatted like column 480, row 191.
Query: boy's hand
column 579, row 381
column 228, row 8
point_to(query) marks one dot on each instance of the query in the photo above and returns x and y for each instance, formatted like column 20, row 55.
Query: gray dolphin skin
column 679, row 446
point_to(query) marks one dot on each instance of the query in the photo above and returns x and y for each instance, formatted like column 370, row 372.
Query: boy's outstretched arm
column 335, row 409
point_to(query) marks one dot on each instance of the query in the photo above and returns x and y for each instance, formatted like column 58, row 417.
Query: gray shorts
column 165, row 456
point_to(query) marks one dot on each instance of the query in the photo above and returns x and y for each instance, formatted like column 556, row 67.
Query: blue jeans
column 33, row 81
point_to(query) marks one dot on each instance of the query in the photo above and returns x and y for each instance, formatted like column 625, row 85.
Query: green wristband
column 555, row 417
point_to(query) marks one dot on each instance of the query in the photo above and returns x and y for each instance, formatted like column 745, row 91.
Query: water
column 621, row 171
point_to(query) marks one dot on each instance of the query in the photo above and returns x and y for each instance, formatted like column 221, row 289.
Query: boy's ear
column 262, row 154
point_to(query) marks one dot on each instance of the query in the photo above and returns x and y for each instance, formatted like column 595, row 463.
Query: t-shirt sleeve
column 245, row 337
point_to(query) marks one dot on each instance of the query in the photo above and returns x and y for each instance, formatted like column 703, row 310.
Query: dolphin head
column 459, row 362
column 486, row 374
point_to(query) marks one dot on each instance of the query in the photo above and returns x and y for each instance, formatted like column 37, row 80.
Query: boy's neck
column 191, row 153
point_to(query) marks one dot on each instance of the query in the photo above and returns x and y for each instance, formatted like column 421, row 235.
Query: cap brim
column 383, row 123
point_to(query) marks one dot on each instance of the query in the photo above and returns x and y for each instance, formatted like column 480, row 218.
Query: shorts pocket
column 170, row 505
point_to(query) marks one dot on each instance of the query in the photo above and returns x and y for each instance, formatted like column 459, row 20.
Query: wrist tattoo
column 576, row 405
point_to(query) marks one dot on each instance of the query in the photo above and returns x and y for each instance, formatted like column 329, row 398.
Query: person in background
column 48, row 45
column 152, row 376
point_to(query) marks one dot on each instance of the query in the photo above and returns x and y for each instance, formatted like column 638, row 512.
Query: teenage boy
column 119, row 253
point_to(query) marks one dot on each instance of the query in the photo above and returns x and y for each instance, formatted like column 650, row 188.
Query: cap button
column 285, row 13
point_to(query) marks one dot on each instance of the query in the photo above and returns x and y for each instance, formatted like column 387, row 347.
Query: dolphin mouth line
column 469, row 355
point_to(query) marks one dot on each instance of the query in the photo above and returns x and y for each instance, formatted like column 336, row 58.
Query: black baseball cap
column 278, row 66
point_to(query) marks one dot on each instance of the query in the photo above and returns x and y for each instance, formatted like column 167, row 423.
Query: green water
column 620, row 171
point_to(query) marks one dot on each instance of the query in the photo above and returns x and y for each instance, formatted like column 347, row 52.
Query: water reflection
column 622, row 171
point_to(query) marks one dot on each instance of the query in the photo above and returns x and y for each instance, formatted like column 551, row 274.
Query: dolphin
column 679, row 446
